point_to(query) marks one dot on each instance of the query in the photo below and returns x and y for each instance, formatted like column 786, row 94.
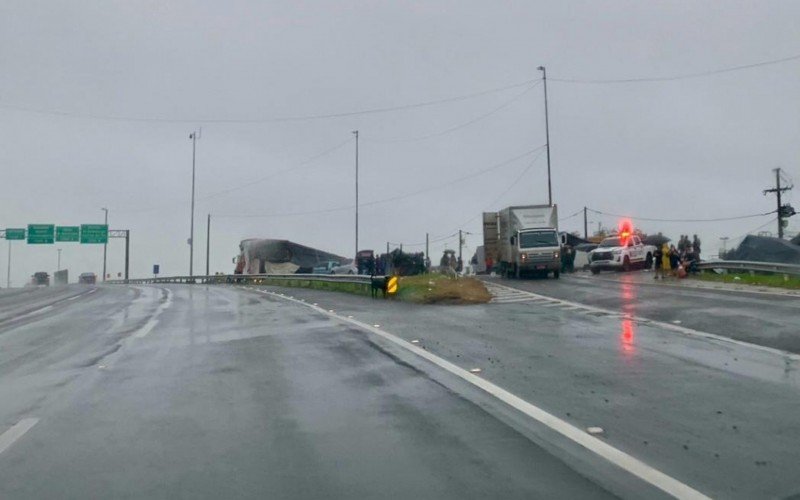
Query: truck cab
column 536, row 251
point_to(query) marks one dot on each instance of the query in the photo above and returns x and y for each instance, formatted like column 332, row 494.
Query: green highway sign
column 15, row 234
column 41, row 234
column 68, row 233
column 94, row 233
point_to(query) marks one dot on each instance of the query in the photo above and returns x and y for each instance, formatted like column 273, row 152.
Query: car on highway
column 40, row 278
column 621, row 253
column 87, row 279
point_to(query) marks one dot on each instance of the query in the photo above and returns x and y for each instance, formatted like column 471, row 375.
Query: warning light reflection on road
column 627, row 336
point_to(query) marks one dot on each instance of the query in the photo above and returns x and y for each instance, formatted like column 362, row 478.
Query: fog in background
column 97, row 101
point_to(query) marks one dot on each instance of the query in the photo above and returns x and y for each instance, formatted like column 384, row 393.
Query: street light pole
column 59, row 259
column 208, row 244
column 547, row 135
column 193, row 137
column 355, row 132
column 105, row 245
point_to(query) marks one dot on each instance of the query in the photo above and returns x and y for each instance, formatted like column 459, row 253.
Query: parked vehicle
column 365, row 262
column 326, row 267
column 621, row 253
column 526, row 238
column 87, row 279
column 345, row 269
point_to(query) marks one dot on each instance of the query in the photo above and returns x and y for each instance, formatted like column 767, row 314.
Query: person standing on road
column 658, row 265
column 696, row 245
column 674, row 259
column 664, row 259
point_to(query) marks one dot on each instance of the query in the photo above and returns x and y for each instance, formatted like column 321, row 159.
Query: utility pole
column 585, row 225
column 460, row 243
column 356, row 134
column 547, row 136
column 208, row 243
column 724, row 240
column 427, row 246
column 105, row 245
column 8, row 275
column 778, row 190
column 193, row 137
column 127, row 253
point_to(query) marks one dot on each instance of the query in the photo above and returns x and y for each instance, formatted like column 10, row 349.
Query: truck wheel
column 626, row 264
column 556, row 274
column 594, row 270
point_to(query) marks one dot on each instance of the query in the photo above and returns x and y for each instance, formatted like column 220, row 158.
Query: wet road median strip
column 579, row 436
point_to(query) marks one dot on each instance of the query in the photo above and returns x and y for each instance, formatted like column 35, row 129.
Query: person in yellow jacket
column 665, row 265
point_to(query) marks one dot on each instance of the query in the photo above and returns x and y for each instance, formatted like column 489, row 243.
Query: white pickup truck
column 621, row 254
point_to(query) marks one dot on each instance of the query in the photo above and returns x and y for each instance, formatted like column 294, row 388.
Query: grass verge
column 439, row 289
column 422, row 289
column 773, row 280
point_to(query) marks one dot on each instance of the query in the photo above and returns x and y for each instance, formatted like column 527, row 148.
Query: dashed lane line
column 16, row 431
column 154, row 319
column 633, row 465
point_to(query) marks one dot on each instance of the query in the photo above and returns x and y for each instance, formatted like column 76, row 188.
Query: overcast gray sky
column 687, row 148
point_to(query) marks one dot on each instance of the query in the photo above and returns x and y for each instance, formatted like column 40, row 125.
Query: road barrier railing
column 743, row 265
column 359, row 283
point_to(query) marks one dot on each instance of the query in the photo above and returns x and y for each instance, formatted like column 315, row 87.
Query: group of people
column 677, row 261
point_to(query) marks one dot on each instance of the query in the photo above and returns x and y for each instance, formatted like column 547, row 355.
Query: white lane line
column 33, row 313
column 662, row 324
column 617, row 457
column 16, row 431
column 153, row 321
column 75, row 297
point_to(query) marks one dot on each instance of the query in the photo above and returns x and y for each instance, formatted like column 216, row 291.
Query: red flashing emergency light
column 625, row 231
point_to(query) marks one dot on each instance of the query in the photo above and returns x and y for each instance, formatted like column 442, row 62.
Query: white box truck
column 527, row 238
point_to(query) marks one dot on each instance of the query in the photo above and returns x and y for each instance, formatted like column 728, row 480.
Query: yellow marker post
column 391, row 285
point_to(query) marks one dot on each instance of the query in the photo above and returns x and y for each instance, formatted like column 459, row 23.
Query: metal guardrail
column 743, row 265
column 252, row 279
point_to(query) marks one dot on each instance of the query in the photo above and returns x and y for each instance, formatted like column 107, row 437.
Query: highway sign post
column 68, row 233
column 94, row 233
column 41, row 234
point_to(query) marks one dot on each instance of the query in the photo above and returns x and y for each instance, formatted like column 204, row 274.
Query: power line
column 649, row 219
column 277, row 119
column 684, row 76
column 391, row 198
column 501, row 195
column 278, row 172
column 460, row 126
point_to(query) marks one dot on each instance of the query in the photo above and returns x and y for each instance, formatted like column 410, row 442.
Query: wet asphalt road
column 772, row 320
column 218, row 392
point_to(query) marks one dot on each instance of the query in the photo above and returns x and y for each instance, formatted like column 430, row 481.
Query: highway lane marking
column 33, row 313
column 153, row 321
column 693, row 286
column 553, row 302
column 602, row 449
column 16, row 431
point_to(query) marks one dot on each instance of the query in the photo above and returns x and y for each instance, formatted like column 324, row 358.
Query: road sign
column 155, row 269
column 15, row 234
column 41, row 234
column 94, row 233
column 68, row 233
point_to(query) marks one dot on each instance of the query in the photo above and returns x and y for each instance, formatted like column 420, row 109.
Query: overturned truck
column 259, row 256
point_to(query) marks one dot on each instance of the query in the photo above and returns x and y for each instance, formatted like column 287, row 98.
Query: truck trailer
column 526, row 239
